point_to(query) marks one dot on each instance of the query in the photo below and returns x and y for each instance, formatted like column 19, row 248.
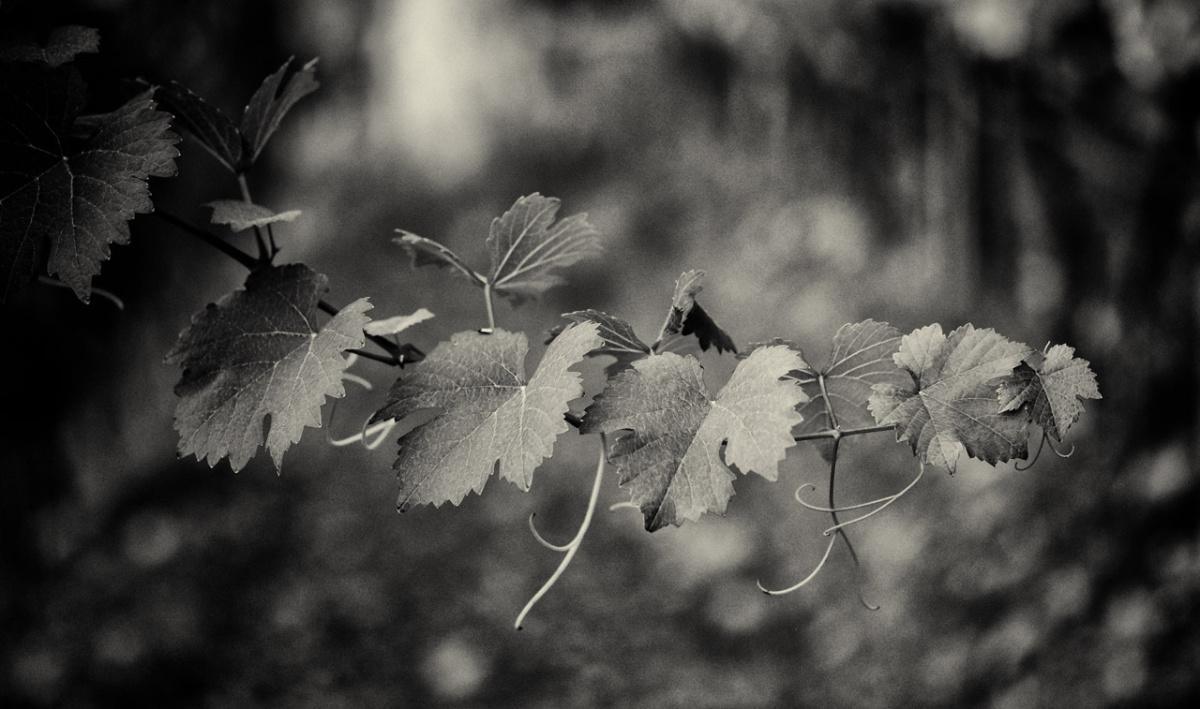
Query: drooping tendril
column 1036, row 455
column 804, row 581
column 379, row 430
column 105, row 294
column 889, row 501
column 560, row 548
column 567, row 550
column 1054, row 448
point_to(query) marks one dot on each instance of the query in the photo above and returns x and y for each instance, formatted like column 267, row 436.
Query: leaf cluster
column 258, row 365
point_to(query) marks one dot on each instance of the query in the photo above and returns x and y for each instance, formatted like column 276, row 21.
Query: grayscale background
column 1027, row 165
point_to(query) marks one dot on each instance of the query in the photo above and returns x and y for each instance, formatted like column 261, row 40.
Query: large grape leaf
column 676, row 442
column 238, row 147
column 528, row 247
column 861, row 358
column 491, row 418
column 686, row 317
column 259, row 353
column 1052, row 385
column 72, row 195
column 950, row 403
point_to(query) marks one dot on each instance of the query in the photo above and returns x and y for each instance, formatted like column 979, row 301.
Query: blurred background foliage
column 1026, row 165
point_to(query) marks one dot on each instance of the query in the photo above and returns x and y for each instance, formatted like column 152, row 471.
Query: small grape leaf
column 1052, row 385
column 686, row 317
column 618, row 338
column 62, row 46
column 675, row 443
column 617, row 335
column 205, row 122
column 491, row 417
column 259, row 353
column 237, row 148
column 271, row 102
column 240, row 215
column 77, row 195
column 528, row 246
column 861, row 358
column 427, row 252
column 950, row 403
column 398, row 323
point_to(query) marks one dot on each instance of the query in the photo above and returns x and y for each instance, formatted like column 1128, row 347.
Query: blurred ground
column 1028, row 166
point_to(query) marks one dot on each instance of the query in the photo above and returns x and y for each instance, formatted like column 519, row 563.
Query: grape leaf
column 617, row 335
column 617, row 338
column 74, row 195
column 491, row 417
column 397, row 324
column 259, row 352
column 271, row 102
column 675, row 443
column 1052, row 385
column 528, row 246
column 950, row 404
column 205, row 122
column 686, row 317
column 427, row 252
column 861, row 357
column 62, row 46
column 240, row 215
column 237, row 148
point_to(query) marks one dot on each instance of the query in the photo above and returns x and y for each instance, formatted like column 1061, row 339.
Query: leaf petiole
column 265, row 253
column 491, row 311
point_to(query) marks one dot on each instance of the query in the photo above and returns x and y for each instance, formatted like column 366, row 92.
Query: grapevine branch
column 397, row 355
column 835, row 434
column 837, row 442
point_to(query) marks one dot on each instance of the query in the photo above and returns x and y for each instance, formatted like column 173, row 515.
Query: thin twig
column 373, row 356
column 830, row 432
column 264, row 254
column 837, row 441
column 217, row 243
